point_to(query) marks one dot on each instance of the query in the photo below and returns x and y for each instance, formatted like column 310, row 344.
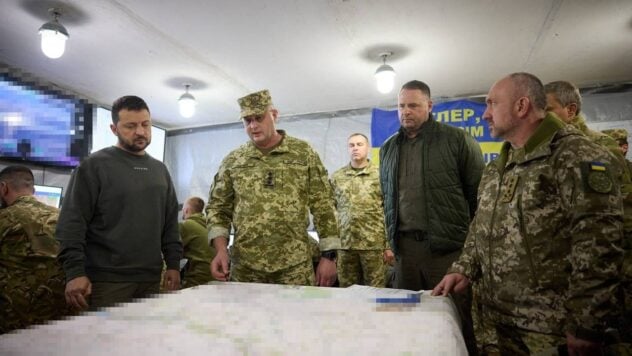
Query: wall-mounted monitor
column 49, row 195
column 42, row 125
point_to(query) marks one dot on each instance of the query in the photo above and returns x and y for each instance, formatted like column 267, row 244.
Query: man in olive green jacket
column 194, row 237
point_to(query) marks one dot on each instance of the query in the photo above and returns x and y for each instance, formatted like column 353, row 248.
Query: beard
column 137, row 144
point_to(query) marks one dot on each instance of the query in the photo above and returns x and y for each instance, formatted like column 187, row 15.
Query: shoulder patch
column 597, row 177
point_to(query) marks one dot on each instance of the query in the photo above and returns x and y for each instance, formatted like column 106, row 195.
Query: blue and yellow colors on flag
column 597, row 166
column 465, row 114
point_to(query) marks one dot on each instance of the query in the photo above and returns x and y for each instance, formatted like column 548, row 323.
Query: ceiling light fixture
column 187, row 103
column 385, row 75
column 54, row 36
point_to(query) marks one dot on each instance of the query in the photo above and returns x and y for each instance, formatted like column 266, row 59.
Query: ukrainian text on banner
column 465, row 114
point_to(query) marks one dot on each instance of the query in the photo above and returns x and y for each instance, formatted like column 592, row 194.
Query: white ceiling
column 313, row 55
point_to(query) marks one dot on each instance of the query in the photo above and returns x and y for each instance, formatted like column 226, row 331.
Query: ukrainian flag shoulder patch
column 597, row 177
column 597, row 166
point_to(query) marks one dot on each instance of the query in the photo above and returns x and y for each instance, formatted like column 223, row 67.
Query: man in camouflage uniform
column 266, row 190
column 361, row 218
column 621, row 136
column 31, row 280
column 194, row 237
column 545, row 241
column 564, row 100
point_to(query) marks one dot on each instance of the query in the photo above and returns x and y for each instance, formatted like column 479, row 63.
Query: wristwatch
column 330, row 255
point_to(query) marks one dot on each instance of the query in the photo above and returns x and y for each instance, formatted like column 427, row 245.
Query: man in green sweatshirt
column 119, row 218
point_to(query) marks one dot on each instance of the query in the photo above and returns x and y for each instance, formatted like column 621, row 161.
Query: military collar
column 24, row 198
column 197, row 217
column 253, row 151
column 350, row 171
column 538, row 145
column 579, row 123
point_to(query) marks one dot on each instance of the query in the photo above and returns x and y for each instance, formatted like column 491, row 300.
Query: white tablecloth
column 255, row 319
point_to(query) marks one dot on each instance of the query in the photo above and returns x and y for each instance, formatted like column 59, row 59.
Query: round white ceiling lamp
column 187, row 103
column 385, row 75
column 54, row 36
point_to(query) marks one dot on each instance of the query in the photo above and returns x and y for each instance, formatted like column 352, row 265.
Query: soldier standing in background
column 31, row 280
column 361, row 260
column 194, row 237
column 621, row 136
column 266, row 190
column 563, row 99
column 545, row 242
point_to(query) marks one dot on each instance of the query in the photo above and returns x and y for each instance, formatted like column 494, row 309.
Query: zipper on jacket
column 491, row 230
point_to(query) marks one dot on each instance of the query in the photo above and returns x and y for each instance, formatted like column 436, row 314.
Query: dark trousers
column 106, row 294
column 418, row 268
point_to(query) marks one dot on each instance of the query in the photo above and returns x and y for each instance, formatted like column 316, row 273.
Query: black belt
column 417, row 235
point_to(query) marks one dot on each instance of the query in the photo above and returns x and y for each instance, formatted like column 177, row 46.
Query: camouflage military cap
column 255, row 103
column 617, row 134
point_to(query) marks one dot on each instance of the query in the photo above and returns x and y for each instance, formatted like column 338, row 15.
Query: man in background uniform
column 31, row 280
column 361, row 218
column 621, row 136
column 563, row 99
column 194, row 237
column 545, row 241
column 266, row 190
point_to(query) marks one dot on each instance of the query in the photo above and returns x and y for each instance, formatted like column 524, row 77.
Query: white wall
column 193, row 156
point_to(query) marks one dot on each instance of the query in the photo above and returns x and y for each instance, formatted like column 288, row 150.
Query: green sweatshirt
column 119, row 217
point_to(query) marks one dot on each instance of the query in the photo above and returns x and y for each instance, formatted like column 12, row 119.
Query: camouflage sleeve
column 321, row 204
column 472, row 165
column 467, row 263
column 221, row 204
column 591, row 196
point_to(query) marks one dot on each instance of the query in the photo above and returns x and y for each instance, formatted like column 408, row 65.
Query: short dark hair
column 565, row 92
column 196, row 204
column 532, row 87
column 358, row 134
column 18, row 177
column 417, row 85
column 128, row 102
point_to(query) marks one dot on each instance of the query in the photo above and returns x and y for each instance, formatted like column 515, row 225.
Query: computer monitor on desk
column 49, row 195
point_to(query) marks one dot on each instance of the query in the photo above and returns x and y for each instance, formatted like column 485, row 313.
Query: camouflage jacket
column 545, row 241
column 360, row 208
column 197, row 250
column 597, row 137
column 32, row 282
column 268, row 199
column 626, row 173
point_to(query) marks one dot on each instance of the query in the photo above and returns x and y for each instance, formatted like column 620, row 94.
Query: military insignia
column 509, row 188
column 597, row 177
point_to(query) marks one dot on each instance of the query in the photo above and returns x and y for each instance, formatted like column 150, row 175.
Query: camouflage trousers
column 515, row 341
column 365, row 267
column 302, row 275
column 484, row 328
column 30, row 297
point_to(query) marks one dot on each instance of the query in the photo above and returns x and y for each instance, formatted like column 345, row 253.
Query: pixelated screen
column 42, row 126
column 48, row 195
